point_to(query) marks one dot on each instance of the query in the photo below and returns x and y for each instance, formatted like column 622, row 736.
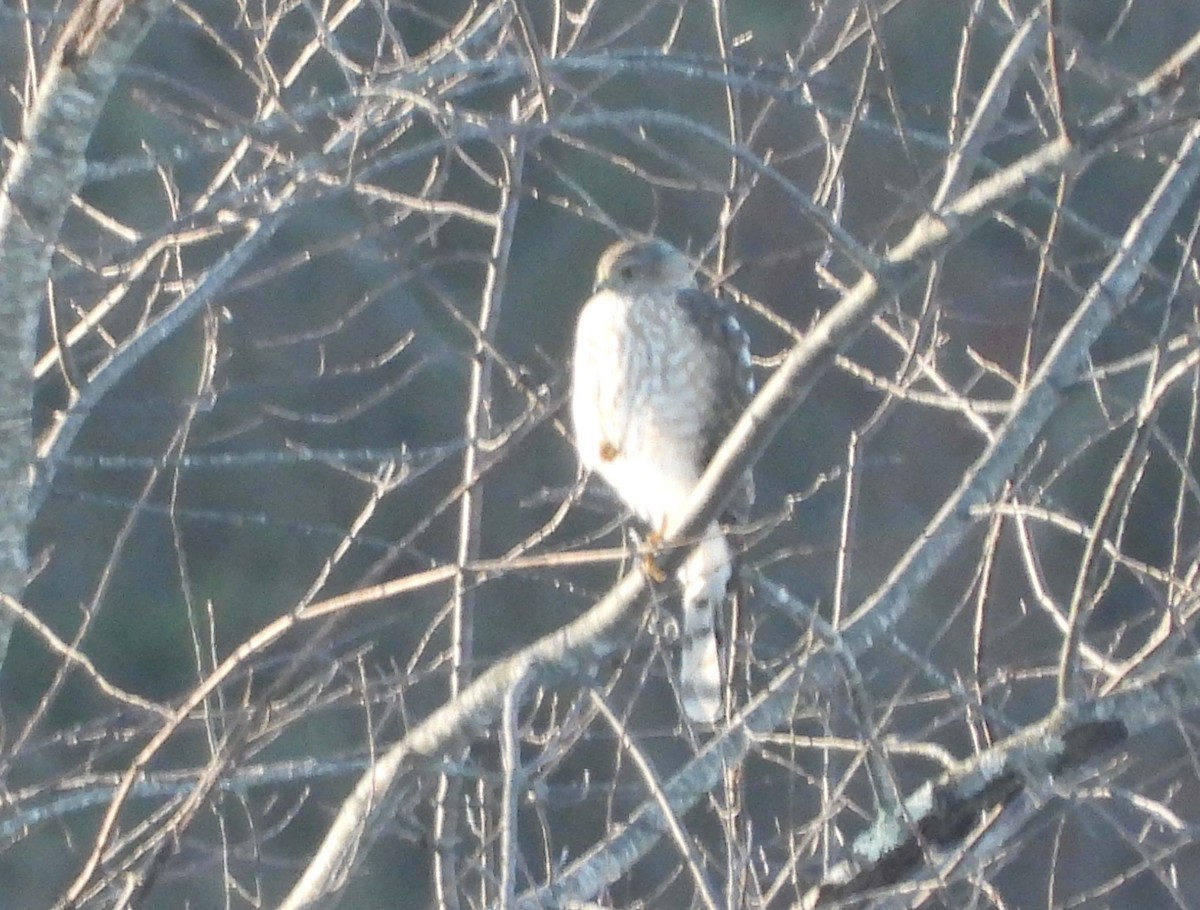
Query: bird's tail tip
column 700, row 675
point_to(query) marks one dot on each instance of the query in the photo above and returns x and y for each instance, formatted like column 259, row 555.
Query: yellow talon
column 649, row 566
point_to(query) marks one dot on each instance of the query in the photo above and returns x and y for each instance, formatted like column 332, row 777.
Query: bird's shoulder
column 728, row 347
column 717, row 324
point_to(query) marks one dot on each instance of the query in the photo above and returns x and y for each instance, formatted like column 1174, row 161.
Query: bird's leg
column 608, row 451
column 649, row 566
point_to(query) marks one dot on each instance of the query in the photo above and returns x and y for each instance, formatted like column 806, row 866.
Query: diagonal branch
column 941, row 813
column 576, row 648
column 1066, row 360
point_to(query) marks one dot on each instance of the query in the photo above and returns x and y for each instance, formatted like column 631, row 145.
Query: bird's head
column 634, row 266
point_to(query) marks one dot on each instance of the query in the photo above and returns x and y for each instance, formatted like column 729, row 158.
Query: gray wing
column 729, row 347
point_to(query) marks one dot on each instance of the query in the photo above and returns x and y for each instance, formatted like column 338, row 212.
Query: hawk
column 661, row 373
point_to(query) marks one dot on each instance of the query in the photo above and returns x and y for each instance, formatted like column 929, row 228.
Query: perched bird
column 661, row 373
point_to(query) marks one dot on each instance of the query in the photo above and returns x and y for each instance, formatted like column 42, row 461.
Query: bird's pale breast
column 643, row 388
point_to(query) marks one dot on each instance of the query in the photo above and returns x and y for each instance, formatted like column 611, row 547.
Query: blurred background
column 416, row 187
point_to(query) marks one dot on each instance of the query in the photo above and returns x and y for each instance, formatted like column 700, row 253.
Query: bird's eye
column 627, row 273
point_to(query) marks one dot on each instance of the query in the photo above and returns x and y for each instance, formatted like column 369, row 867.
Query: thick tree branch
column 880, row 612
column 44, row 173
column 938, row 818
